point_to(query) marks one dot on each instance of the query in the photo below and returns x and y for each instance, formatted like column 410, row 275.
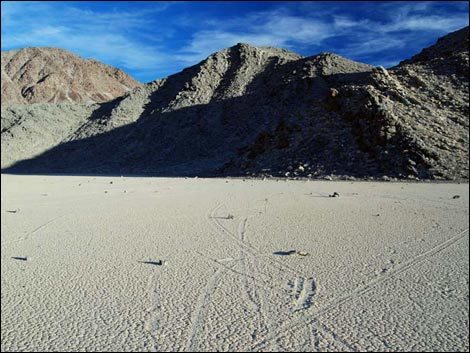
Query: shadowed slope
column 258, row 110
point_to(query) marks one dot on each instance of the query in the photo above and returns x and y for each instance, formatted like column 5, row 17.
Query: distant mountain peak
column 54, row 75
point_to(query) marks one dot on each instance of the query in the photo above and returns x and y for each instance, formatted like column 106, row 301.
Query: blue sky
column 152, row 40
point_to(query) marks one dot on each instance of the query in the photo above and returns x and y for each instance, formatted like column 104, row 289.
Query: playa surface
column 146, row 264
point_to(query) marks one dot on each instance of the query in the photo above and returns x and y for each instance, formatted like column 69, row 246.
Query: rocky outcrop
column 414, row 118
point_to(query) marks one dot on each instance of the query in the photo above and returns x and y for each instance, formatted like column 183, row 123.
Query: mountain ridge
column 263, row 111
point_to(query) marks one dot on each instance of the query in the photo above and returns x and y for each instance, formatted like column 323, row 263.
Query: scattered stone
column 333, row 92
column 456, row 197
column 302, row 253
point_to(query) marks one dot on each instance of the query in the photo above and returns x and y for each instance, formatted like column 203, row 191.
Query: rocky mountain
column 263, row 111
column 52, row 75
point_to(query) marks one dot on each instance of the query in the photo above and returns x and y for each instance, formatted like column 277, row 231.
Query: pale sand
column 387, row 269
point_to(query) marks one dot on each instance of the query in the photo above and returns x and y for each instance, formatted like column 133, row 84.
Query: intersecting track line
column 252, row 277
column 256, row 300
column 201, row 305
column 248, row 250
column 263, row 308
column 356, row 293
column 247, row 247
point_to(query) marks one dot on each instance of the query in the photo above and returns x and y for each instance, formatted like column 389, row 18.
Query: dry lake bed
column 174, row 264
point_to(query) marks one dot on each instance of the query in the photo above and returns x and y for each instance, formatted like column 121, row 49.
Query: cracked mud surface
column 387, row 266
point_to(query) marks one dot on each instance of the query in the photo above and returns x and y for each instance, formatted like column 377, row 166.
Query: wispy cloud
column 372, row 46
column 406, row 29
column 360, row 36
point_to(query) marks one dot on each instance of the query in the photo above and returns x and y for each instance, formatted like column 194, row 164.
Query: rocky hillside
column 263, row 111
column 52, row 75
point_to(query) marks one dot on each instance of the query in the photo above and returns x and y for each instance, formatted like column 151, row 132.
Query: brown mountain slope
column 52, row 75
